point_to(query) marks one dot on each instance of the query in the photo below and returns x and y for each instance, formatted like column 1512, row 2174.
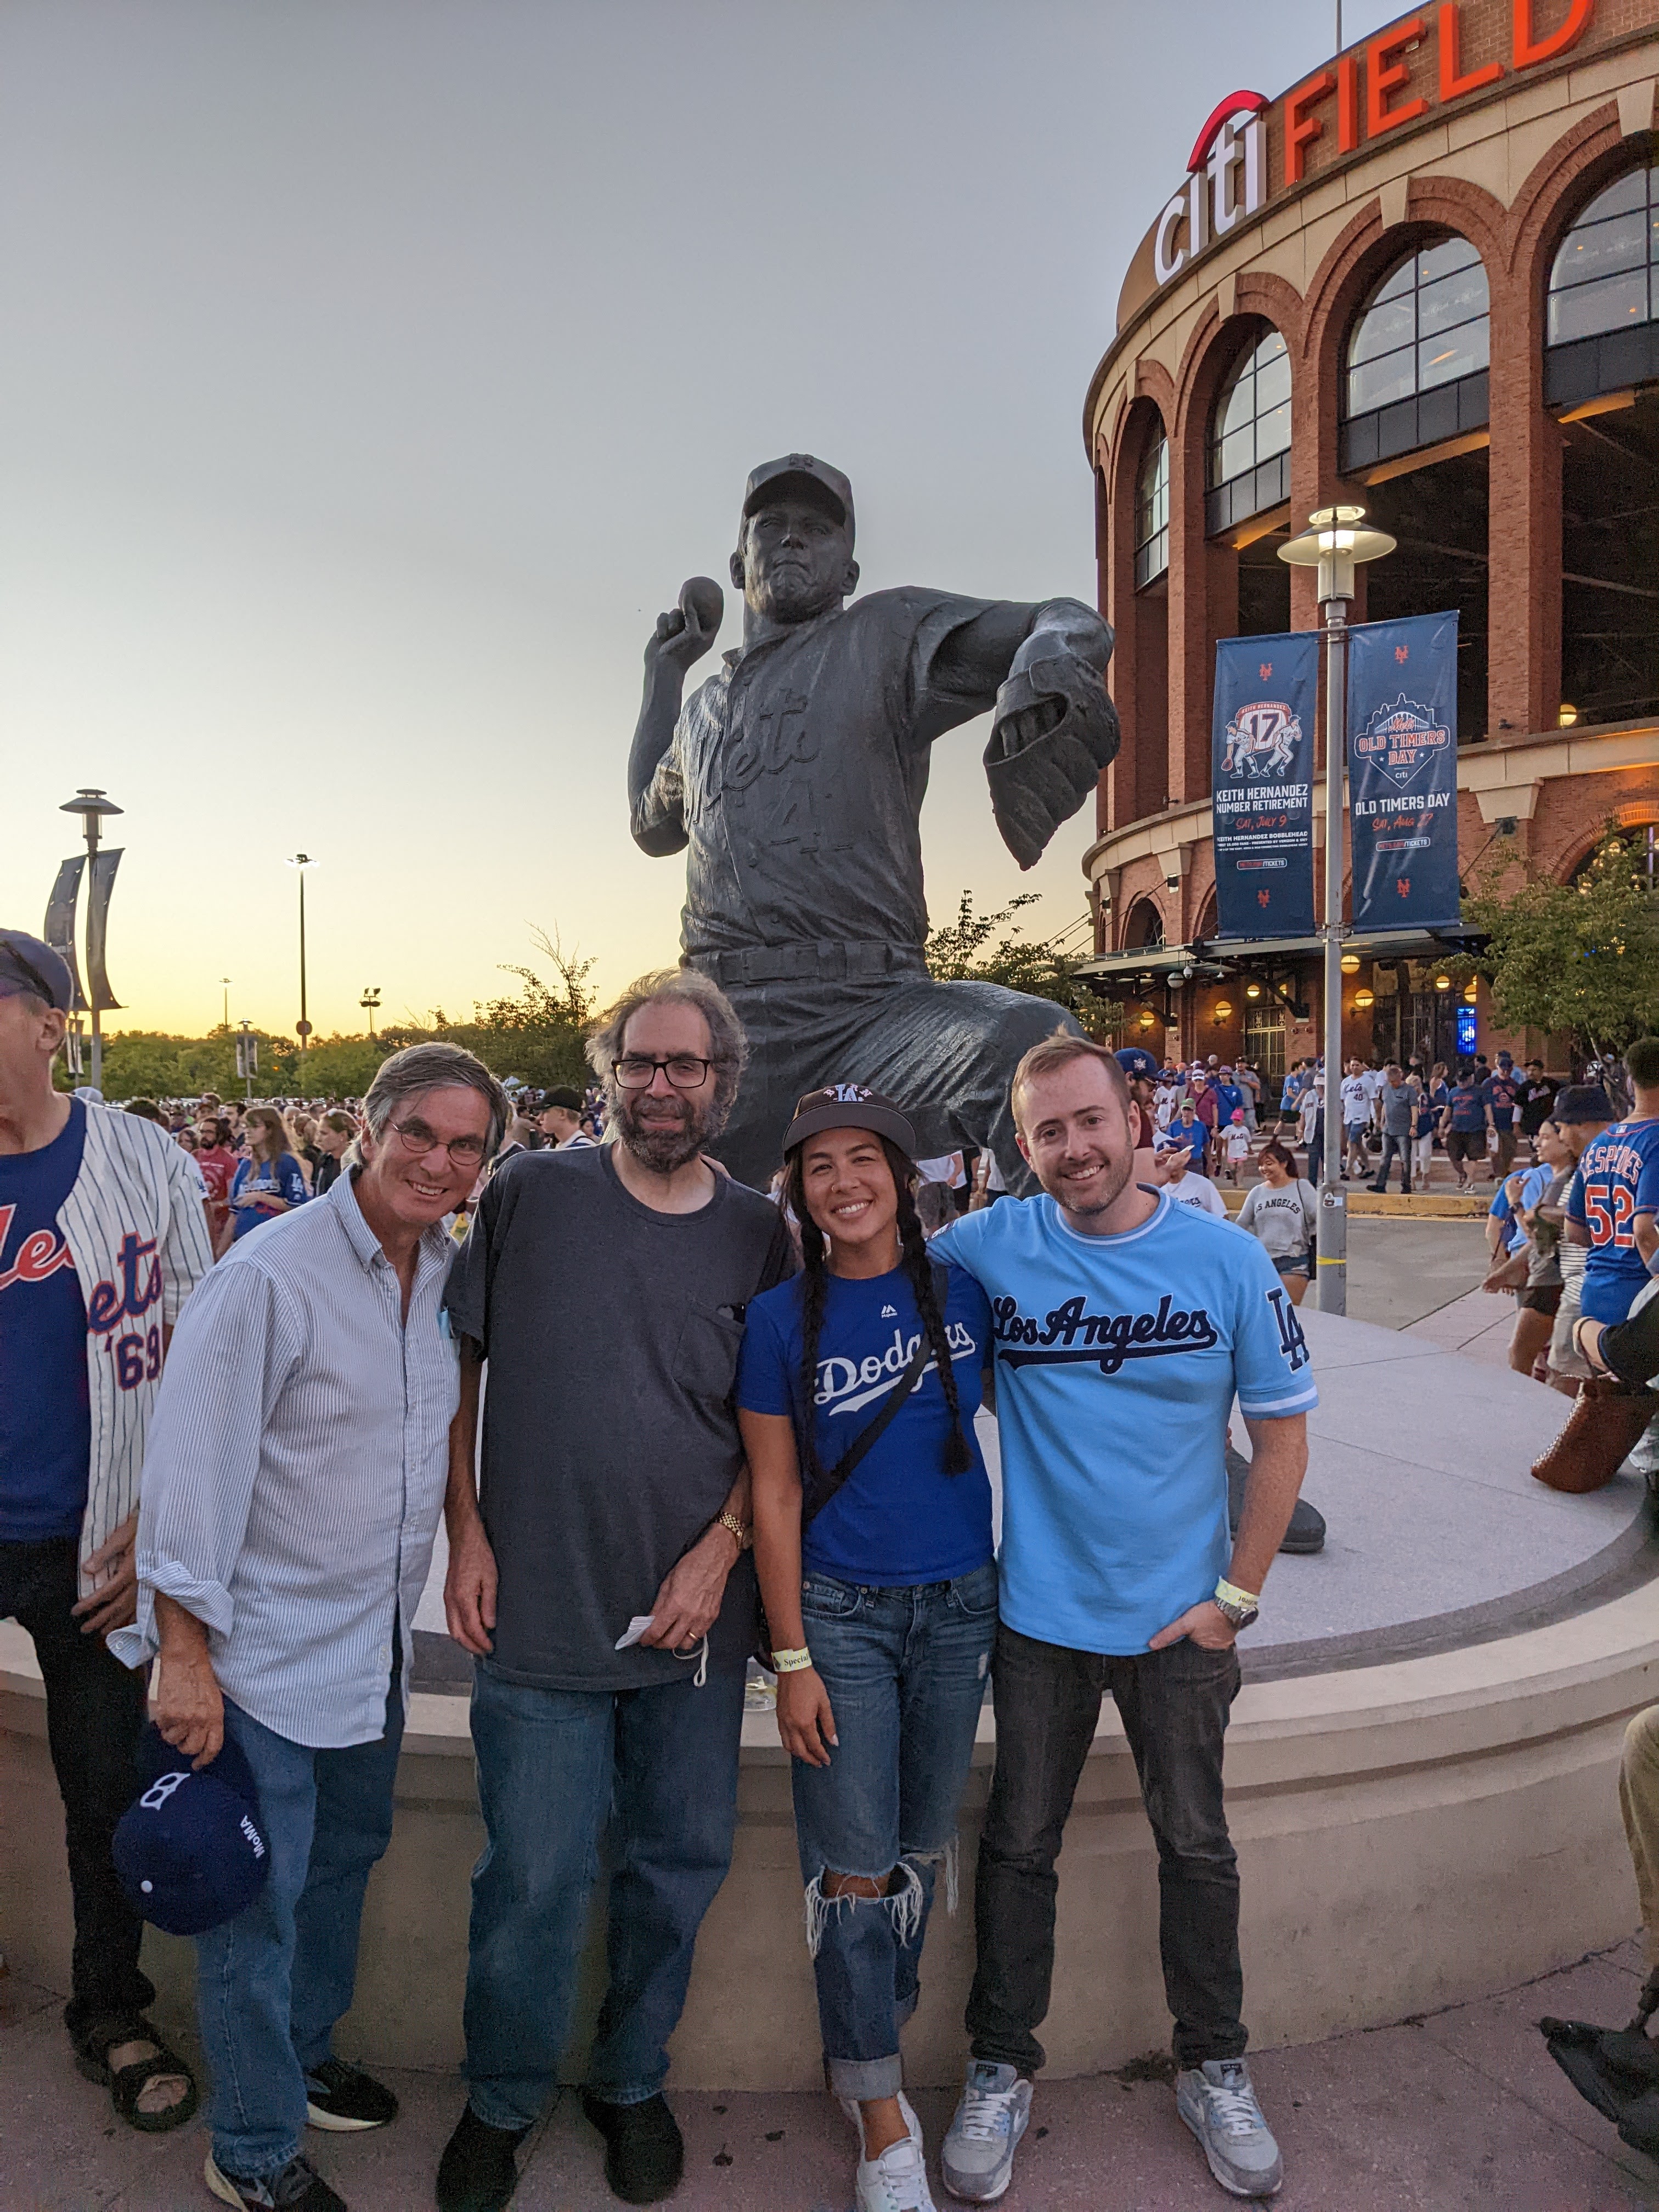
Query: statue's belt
column 810, row 959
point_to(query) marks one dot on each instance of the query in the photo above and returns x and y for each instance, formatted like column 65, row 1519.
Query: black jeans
column 1393, row 1145
column 94, row 1714
column 1174, row 1705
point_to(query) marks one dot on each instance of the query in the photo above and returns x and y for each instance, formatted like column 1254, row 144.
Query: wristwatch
column 1235, row 1605
column 745, row 1536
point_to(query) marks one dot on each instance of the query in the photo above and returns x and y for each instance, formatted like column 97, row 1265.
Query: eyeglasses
column 634, row 1072
column 416, row 1138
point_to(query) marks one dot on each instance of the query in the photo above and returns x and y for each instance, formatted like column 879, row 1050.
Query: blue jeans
column 271, row 1983
column 553, row 1766
column 905, row 1670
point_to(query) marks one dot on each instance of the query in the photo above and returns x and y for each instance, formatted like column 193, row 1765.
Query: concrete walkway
column 1462, row 2109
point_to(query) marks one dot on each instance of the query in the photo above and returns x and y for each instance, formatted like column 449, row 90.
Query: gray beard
column 661, row 1146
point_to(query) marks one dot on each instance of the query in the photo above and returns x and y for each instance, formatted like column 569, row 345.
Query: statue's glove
column 1053, row 730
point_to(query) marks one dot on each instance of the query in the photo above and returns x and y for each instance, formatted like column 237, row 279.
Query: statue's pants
column 945, row 1052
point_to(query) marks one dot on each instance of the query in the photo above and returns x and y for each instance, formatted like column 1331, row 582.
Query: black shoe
column 1306, row 1534
column 344, row 2100
column 478, row 2171
column 298, row 2188
column 644, row 2151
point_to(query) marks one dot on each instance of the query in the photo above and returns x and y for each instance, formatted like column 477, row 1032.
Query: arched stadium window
column 1415, row 368
column 1144, row 932
column 1602, row 330
column 1153, row 511
column 1248, row 461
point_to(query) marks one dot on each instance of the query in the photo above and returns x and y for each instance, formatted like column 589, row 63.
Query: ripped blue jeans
column 905, row 1669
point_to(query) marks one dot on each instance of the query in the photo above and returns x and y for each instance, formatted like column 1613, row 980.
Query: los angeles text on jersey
column 1069, row 1334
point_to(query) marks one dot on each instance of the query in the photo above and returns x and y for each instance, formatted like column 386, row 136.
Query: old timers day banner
column 1403, row 771
column 1261, row 748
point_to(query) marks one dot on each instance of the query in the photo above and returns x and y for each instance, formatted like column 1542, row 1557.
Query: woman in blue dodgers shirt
column 883, row 1642
column 1123, row 1326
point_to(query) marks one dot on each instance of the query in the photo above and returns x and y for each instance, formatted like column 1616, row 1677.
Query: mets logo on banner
column 1401, row 739
column 1261, row 741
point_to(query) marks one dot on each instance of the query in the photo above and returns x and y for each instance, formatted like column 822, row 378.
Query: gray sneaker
column 1218, row 2105
column 977, row 2160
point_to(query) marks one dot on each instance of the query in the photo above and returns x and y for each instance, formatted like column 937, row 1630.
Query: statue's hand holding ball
column 685, row 633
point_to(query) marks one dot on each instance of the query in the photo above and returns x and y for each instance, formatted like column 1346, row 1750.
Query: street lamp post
column 225, row 983
column 90, row 804
column 1335, row 545
column 302, row 861
column 368, row 1002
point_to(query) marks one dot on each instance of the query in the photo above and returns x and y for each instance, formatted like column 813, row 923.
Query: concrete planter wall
column 1409, row 1836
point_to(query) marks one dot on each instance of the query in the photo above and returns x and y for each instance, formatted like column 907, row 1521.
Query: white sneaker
column 907, row 2111
column 978, row 2158
column 1218, row 2105
column 895, row 2182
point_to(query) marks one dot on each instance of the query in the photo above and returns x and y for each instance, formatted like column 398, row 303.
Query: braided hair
column 919, row 1272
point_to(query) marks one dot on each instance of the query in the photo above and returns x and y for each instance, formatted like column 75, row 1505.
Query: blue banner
column 1402, row 772
column 1261, row 753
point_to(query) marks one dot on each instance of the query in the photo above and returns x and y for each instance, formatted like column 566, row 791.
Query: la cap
column 29, row 964
column 1583, row 1102
column 804, row 472
column 849, row 1106
column 190, row 1851
column 1136, row 1061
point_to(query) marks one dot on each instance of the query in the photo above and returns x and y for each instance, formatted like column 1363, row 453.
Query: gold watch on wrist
column 745, row 1536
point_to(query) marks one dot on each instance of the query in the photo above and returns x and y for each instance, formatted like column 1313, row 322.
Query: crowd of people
column 244, row 1368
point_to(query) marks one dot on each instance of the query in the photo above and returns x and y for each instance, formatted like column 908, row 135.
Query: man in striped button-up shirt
column 292, row 1488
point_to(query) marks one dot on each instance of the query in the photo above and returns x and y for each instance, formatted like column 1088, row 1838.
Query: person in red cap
column 857, row 1387
column 103, row 1236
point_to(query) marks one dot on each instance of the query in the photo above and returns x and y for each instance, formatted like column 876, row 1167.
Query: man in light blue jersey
column 1123, row 1326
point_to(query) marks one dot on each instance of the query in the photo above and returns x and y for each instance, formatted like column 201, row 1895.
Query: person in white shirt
column 1235, row 1146
column 560, row 1119
column 1194, row 1190
column 1282, row 1213
column 1357, row 1114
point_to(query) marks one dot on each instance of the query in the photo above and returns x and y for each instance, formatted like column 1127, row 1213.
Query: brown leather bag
column 1603, row 1429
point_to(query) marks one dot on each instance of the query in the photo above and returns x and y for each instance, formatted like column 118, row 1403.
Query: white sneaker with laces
column 978, row 2158
column 895, row 2182
column 850, row 2106
column 1220, row 2106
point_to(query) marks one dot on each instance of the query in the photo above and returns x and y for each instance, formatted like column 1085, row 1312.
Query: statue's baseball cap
column 29, row 964
column 849, row 1106
column 800, row 473
column 190, row 1851
column 1136, row 1062
column 1582, row 1102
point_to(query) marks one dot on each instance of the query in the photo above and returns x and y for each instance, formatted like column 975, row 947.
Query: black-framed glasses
column 635, row 1071
column 416, row 1138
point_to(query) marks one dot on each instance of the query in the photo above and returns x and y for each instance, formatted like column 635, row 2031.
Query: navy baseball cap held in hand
column 190, row 1851
column 1136, row 1061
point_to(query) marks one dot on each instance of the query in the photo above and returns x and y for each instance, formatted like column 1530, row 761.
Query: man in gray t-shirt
column 606, row 1289
column 1398, row 1097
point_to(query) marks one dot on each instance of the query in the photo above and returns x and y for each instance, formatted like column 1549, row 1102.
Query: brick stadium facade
column 1426, row 279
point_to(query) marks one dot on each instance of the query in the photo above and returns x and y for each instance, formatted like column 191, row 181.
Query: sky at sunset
column 374, row 374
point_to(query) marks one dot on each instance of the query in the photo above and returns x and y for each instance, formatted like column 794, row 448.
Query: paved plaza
column 1460, row 2111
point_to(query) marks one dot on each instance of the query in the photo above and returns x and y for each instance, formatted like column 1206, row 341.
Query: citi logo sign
column 1226, row 182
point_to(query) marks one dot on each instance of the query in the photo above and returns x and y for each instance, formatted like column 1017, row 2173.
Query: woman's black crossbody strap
column 871, row 1433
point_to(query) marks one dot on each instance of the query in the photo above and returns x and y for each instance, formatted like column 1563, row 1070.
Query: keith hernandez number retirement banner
column 1403, row 771
column 1261, row 740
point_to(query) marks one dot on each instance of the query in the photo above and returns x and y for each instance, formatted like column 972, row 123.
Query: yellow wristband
column 1231, row 1594
column 791, row 1663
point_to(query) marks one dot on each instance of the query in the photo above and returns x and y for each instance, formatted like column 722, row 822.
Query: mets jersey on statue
column 797, row 771
column 1117, row 1359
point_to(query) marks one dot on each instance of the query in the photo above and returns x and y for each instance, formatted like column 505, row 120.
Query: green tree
column 969, row 950
column 1581, row 959
column 539, row 1034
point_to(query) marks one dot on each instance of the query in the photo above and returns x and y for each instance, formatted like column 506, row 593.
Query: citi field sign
column 1251, row 149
